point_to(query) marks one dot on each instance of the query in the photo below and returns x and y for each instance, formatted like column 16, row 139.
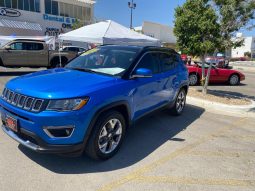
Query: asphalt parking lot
column 196, row 151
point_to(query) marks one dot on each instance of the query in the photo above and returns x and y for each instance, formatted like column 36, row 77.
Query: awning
column 20, row 25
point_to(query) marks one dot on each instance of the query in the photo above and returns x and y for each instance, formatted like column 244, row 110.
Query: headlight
column 66, row 104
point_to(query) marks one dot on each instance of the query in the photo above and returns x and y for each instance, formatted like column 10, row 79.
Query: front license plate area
column 11, row 123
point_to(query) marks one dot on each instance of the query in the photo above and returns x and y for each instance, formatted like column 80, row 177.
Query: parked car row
column 218, row 75
column 34, row 54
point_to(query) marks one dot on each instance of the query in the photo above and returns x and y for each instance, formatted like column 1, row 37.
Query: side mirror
column 7, row 47
column 142, row 73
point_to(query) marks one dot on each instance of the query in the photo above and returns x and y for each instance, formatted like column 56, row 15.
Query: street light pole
column 132, row 6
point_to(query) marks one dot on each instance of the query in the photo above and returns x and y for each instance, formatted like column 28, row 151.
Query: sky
column 159, row 11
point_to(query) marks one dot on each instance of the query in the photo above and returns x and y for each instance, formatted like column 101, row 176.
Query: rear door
column 16, row 55
column 37, row 54
column 170, row 83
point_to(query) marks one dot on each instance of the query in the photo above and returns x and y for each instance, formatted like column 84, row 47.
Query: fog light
column 59, row 131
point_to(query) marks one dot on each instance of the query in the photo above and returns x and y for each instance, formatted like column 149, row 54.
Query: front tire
column 234, row 80
column 107, row 136
column 180, row 103
column 193, row 79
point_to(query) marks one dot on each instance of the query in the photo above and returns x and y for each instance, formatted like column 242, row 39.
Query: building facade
column 43, row 17
column 248, row 47
column 162, row 32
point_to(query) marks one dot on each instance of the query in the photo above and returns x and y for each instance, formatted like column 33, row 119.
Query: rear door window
column 33, row 46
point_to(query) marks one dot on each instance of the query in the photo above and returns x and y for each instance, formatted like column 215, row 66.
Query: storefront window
column 48, row 6
column 8, row 3
column 20, row 4
column 26, row 5
column 51, row 7
column 2, row 3
column 62, row 9
column 37, row 6
column 54, row 8
column 14, row 4
column 32, row 5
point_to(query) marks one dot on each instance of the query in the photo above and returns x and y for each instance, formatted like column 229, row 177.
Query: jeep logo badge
column 9, row 12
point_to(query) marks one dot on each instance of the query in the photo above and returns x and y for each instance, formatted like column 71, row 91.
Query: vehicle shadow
column 145, row 137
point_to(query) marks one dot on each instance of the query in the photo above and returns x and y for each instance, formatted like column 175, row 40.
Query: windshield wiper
column 83, row 70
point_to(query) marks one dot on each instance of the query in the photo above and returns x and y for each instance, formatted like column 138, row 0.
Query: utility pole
column 132, row 6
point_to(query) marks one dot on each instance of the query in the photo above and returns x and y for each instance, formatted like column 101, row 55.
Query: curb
column 230, row 110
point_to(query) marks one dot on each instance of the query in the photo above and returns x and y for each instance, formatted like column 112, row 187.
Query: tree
column 196, row 29
column 233, row 15
column 77, row 24
column 215, row 23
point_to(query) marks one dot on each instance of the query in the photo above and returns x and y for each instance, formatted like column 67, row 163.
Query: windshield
column 207, row 65
column 112, row 61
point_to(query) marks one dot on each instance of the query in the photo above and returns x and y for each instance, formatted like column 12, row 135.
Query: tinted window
column 26, row 5
column 47, row 6
column 14, row 4
column 32, row 5
column 150, row 61
column 20, row 4
column 2, row 3
column 37, row 5
column 34, row 46
column 81, row 50
column 8, row 3
column 17, row 46
column 74, row 49
column 54, row 8
column 168, row 61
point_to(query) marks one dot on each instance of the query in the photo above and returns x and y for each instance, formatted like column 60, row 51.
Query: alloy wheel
column 180, row 102
column 110, row 136
column 193, row 79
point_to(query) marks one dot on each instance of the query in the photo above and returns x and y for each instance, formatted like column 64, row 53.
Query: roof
column 20, row 25
column 87, row 1
column 108, row 32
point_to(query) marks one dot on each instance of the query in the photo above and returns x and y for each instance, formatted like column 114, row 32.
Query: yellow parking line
column 185, row 180
column 222, row 153
column 137, row 173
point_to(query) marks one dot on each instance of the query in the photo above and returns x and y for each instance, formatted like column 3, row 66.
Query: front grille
column 22, row 101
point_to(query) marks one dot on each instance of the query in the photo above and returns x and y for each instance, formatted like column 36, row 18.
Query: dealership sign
column 66, row 21
column 9, row 12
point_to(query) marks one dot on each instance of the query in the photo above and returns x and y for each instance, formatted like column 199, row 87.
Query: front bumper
column 31, row 132
column 35, row 143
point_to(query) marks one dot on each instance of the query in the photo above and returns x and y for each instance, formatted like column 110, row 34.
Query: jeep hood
column 59, row 83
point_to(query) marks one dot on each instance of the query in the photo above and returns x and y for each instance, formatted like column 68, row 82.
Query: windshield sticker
column 90, row 51
column 111, row 71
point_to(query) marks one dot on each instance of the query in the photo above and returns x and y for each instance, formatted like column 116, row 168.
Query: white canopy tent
column 109, row 32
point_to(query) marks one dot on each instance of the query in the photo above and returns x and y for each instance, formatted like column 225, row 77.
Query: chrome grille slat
column 22, row 101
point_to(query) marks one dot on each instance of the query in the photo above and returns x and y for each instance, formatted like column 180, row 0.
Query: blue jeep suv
column 89, row 104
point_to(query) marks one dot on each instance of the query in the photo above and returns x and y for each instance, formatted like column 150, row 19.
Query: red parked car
column 218, row 75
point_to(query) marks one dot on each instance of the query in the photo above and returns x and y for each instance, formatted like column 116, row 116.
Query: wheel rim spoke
column 110, row 136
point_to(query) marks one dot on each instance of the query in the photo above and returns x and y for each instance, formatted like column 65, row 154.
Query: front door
column 146, row 93
column 15, row 55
